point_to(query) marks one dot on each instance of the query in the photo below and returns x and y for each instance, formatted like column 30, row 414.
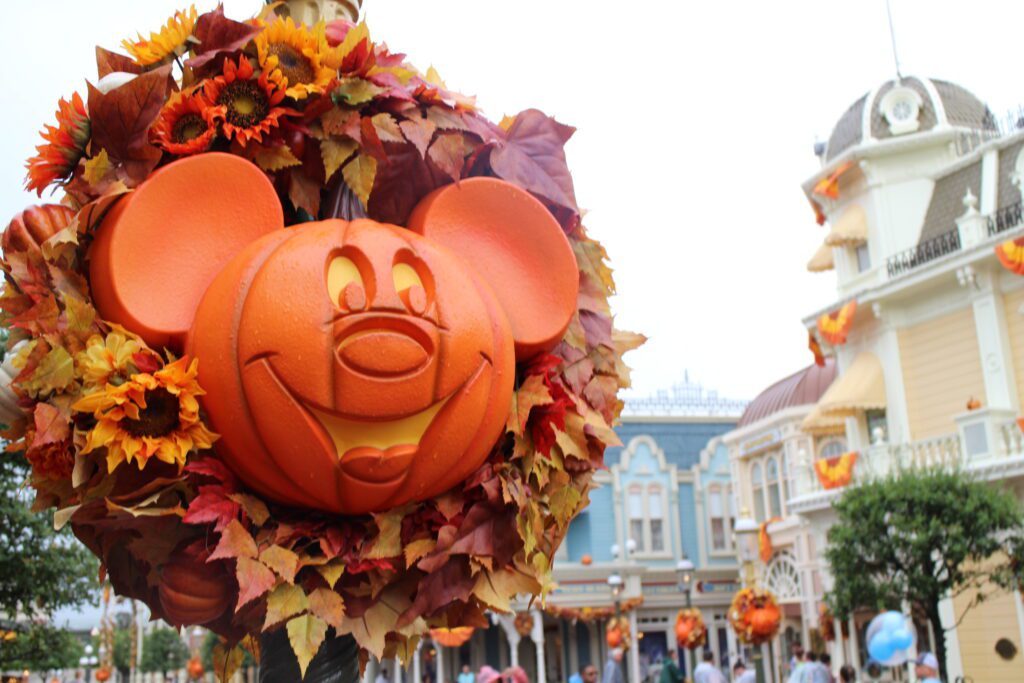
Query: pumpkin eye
column 345, row 283
column 409, row 286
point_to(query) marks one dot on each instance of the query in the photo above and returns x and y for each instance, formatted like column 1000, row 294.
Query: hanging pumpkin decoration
column 196, row 668
column 826, row 623
column 586, row 560
column 523, row 623
column 617, row 632
column 691, row 631
column 102, row 674
column 755, row 616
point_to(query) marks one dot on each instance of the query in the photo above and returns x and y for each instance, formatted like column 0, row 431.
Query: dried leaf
column 55, row 372
column 281, row 560
column 533, row 157
column 216, row 34
column 386, row 127
column 121, row 119
column 533, row 392
column 328, row 605
column 332, row 571
column 449, row 152
column 284, row 602
column 563, row 503
column 97, row 168
column 389, row 538
column 496, row 589
column 211, row 505
column 254, row 579
column 304, row 192
column 370, row 629
column 335, row 152
column 51, row 426
column 419, row 132
column 275, row 158
column 355, row 91
column 359, row 175
column 108, row 62
column 235, row 541
column 306, row 634
column 336, row 121
column 253, row 506
column 226, row 662
column 417, row 549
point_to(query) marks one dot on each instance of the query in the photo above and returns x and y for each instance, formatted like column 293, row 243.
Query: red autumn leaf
column 338, row 121
column 371, row 142
column 108, row 62
column 487, row 531
column 448, row 152
column 544, row 419
column 401, row 182
column 218, row 35
column 304, row 192
column 254, row 579
column 598, row 328
column 121, row 119
column 451, row 583
column 419, row 132
column 213, row 468
column 51, row 426
column 533, row 157
column 235, row 541
column 212, row 505
column 146, row 362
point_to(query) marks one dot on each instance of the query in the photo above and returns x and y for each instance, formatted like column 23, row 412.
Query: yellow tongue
column 348, row 433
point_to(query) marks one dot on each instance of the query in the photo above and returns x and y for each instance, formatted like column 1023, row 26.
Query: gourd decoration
column 755, row 615
column 307, row 347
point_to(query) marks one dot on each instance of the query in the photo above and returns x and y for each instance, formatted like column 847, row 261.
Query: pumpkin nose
column 382, row 353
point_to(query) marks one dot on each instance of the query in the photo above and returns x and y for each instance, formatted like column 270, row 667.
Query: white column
column 439, row 663
column 954, row 663
column 417, row 675
column 396, row 670
column 507, row 622
column 994, row 346
column 854, row 644
column 1019, row 602
column 537, row 634
column 839, row 651
column 574, row 646
column 634, row 650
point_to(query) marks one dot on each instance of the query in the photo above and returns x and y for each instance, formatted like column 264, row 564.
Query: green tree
column 919, row 538
column 40, row 647
column 163, row 650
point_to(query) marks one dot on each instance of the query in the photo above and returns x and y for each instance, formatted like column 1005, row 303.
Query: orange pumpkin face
column 354, row 366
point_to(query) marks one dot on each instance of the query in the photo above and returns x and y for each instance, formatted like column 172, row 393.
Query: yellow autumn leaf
column 370, row 629
column 359, row 174
column 332, row 571
column 389, row 539
column 417, row 549
column 55, row 371
column 284, row 602
column 531, row 393
column 226, row 662
column 97, row 168
column 434, row 78
column 335, row 152
column 328, row 605
column 275, row 158
column 355, row 35
column 306, row 634
column 284, row 562
column 496, row 589
column 506, row 122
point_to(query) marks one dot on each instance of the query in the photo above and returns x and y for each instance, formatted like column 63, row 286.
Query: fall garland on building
column 755, row 616
column 589, row 614
column 119, row 448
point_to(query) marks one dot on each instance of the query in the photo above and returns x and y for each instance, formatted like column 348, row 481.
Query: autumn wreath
column 755, row 615
column 342, row 127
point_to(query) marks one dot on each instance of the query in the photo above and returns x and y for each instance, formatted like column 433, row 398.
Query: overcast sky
column 696, row 123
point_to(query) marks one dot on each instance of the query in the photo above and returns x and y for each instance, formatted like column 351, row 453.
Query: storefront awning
column 861, row 387
column 822, row 260
column 819, row 424
column 850, row 229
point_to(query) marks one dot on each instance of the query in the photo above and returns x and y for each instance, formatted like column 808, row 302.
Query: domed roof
column 800, row 388
column 937, row 103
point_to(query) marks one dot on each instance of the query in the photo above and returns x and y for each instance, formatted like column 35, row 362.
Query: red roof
column 800, row 388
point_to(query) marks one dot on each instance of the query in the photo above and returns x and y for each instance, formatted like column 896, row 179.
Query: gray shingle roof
column 947, row 202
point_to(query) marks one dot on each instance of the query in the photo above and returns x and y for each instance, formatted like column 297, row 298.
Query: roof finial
column 892, row 37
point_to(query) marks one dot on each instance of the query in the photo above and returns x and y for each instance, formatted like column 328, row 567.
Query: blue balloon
column 881, row 647
column 902, row 638
column 893, row 620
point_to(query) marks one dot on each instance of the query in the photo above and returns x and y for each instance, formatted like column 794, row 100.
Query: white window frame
column 724, row 494
column 644, row 544
column 757, row 490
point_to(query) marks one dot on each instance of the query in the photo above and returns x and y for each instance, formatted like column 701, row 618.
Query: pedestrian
column 488, row 675
column 466, row 675
column 612, row 668
column 847, row 674
column 515, row 674
column 927, row 668
column 707, row 672
column 382, row 676
column 796, row 655
column 670, row 672
column 799, row 672
column 826, row 663
column 588, row 672
column 740, row 674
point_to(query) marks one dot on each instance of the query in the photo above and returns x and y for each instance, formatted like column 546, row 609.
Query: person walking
column 612, row 668
column 670, row 672
column 466, row 675
column 847, row 674
column 799, row 672
column 740, row 674
column 707, row 672
column 588, row 672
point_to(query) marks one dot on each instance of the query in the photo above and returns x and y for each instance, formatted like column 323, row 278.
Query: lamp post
column 616, row 585
column 746, row 535
column 684, row 579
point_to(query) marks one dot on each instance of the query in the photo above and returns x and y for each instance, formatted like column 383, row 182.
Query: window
column 657, row 519
column 863, row 258
column 831, row 448
column 636, row 517
column 757, row 484
column 774, row 488
column 720, row 516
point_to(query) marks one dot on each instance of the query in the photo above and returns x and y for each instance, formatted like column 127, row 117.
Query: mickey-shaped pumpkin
column 349, row 366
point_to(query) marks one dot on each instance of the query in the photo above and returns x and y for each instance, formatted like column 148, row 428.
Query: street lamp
column 684, row 577
column 746, row 534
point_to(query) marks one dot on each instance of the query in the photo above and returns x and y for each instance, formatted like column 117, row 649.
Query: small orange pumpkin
column 29, row 229
column 196, row 668
column 973, row 403
column 102, row 674
column 348, row 366
column 586, row 560
column 194, row 592
column 614, row 637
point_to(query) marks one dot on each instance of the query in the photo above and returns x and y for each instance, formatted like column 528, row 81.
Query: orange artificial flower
column 169, row 42
column 836, row 472
column 151, row 415
column 834, row 326
column 65, row 146
column 1011, row 255
column 248, row 107
column 294, row 57
column 187, row 125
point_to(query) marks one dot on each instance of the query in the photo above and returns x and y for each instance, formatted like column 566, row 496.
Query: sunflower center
column 158, row 418
column 188, row 127
column 246, row 103
column 294, row 65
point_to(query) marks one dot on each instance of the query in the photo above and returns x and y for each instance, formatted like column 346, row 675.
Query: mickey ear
column 160, row 247
column 514, row 243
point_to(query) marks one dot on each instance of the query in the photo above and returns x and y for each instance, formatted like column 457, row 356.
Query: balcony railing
column 926, row 251
column 1005, row 218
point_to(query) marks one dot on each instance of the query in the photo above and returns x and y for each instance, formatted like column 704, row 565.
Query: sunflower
column 248, row 107
column 187, row 125
column 150, row 415
column 108, row 360
column 170, row 42
column 294, row 57
column 65, row 145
